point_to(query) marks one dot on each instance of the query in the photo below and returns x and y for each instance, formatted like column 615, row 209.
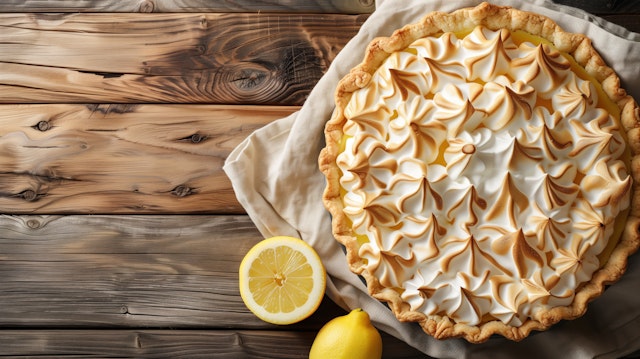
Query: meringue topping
column 483, row 176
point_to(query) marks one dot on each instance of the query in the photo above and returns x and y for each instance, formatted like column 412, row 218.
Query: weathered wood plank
column 122, row 158
column 126, row 271
column 291, row 6
column 186, row 58
column 190, row 344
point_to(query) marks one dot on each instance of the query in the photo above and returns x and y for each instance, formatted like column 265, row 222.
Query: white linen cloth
column 275, row 176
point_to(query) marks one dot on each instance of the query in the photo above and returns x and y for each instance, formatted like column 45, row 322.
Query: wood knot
column 197, row 138
column 249, row 83
column 33, row 224
column 182, row 191
column 194, row 138
column 249, row 78
column 147, row 6
column 29, row 195
column 42, row 126
column 201, row 49
column 237, row 339
column 367, row 3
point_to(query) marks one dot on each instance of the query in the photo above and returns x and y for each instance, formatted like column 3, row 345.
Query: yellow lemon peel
column 349, row 336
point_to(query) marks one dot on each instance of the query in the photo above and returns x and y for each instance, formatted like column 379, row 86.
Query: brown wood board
column 146, row 271
column 122, row 108
column 68, row 158
column 147, row 343
column 602, row 7
column 290, row 6
column 135, row 271
column 65, row 276
column 250, row 58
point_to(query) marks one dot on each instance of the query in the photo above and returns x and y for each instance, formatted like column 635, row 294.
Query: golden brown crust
column 493, row 17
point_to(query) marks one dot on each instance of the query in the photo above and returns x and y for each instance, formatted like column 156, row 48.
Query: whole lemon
column 349, row 336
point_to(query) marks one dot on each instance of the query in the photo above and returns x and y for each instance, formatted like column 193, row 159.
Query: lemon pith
column 282, row 280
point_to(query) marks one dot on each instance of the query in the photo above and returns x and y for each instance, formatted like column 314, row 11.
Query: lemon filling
column 447, row 152
column 604, row 102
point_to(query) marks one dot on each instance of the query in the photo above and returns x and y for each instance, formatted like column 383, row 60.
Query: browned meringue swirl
column 484, row 175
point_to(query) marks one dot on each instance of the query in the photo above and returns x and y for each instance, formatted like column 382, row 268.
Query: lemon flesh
column 282, row 280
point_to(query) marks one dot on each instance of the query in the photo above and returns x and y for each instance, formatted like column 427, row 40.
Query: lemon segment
column 282, row 280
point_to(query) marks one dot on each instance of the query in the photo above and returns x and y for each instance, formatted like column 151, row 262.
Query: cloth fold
column 274, row 173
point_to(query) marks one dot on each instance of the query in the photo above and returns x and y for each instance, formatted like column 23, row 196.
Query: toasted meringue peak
column 484, row 176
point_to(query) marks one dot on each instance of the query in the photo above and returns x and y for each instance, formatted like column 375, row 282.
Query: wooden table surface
column 120, row 236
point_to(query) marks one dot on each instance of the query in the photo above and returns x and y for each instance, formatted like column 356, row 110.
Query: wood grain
column 145, row 343
column 160, row 58
column 136, row 271
column 291, row 6
column 122, row 158
column 120, row 272
column 600, row 7
column 118, row 107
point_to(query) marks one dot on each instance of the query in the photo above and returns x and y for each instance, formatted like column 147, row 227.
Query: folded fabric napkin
column 275, row 176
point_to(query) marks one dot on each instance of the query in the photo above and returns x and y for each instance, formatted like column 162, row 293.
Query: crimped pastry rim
column 493, row 17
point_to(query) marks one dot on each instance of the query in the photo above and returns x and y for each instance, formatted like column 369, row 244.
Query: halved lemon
column 282, row 280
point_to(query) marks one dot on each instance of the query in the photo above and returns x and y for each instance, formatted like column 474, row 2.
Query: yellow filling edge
column 607, row 104
column 604, row 102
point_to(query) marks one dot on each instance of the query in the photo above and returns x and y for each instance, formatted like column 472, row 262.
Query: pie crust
column 495, row 18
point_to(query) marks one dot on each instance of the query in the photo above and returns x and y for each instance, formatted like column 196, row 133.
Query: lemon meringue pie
column 480, row 171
